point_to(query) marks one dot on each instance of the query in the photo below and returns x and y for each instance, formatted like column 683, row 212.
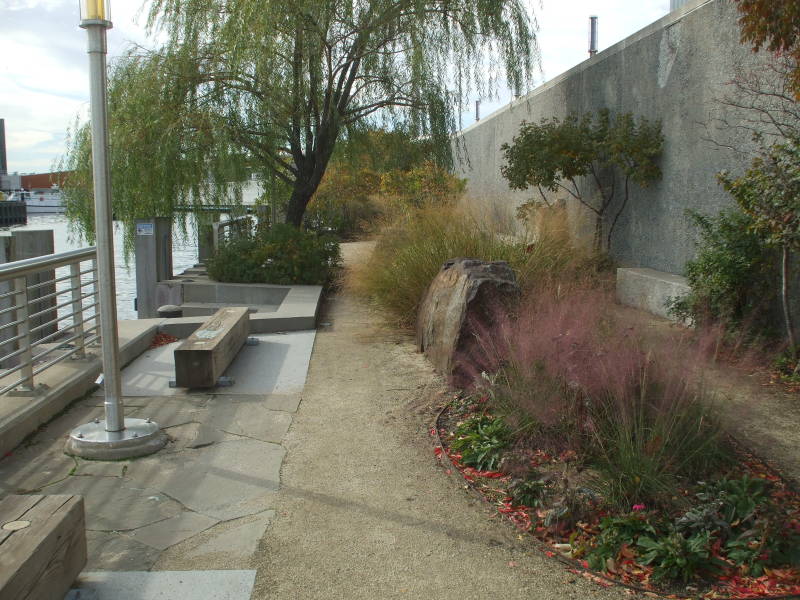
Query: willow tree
column 272, row 85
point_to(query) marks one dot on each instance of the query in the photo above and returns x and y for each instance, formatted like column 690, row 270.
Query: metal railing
column 224, row 231
column 48, row 312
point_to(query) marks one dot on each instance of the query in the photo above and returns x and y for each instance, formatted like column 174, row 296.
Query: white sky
column 43, row 63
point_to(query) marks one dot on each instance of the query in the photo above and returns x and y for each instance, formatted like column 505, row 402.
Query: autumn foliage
column 774, row 25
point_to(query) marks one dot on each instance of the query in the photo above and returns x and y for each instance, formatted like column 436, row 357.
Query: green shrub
column 616, row 149
column 675, row 557
column 481, row 441
column 732, row 279
column 528, row 492
column 283, row 255
column 738, row 499
column 614, row 533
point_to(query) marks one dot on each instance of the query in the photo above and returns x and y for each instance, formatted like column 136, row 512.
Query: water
column 184, row 255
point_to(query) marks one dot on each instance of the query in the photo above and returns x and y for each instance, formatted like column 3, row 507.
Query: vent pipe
column 3, row 161
column 477, row 110
column 592, row 36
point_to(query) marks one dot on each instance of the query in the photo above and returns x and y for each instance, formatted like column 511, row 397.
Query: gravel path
column 364, row 510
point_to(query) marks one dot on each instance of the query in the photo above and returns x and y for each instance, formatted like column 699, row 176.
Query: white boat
column 43, row 201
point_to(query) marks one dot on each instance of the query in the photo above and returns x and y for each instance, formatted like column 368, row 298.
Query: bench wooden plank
column 41, row 561
column 204, row 355
column 13, row 508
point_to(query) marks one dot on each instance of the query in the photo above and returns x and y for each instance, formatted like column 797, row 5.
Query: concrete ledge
column 297, row 310
column 65, row 382
column 649, row 290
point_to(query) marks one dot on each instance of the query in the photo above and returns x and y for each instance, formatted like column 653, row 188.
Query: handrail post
column 215, row 235
column 96, row 302
column 77, row 310
column 23, row 330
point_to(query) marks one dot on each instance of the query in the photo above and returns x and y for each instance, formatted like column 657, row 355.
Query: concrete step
column 650, row 290
column 200, row 309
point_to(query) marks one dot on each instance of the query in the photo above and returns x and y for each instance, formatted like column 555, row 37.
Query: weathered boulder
column 460, row 306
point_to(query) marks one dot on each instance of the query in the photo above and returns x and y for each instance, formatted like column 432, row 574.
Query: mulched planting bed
column 737, row 536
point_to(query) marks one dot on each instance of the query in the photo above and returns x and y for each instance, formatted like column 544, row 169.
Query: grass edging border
column 550, row 552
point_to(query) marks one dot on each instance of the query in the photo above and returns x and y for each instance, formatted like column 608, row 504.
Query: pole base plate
column 139, row 438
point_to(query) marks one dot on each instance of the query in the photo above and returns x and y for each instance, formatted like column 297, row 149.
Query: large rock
column 462, row 303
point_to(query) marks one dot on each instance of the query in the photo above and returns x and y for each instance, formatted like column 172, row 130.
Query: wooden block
column 204, row 355
column 41, row 560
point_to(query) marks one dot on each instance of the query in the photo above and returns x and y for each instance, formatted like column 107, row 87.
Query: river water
column 184, row 255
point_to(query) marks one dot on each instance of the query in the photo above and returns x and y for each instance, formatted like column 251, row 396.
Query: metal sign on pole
column 116, row 437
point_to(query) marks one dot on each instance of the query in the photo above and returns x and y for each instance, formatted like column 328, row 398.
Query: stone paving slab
column 164, row 585
column 30, row 469
column 248, row 418
column 226, row 480
column 150, row 374
column 171, row 531
column 283, row 402
column 277, row 365
column 230, row 544
column 204, row 501
column 112, row 551
column 114, row 504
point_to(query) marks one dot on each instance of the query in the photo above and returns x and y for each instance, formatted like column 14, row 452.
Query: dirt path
column 365, row 511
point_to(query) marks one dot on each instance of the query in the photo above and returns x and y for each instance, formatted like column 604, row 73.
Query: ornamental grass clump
column 412, row 249
column 573, row 378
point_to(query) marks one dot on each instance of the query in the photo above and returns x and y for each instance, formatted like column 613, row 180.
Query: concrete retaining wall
column 674, row 70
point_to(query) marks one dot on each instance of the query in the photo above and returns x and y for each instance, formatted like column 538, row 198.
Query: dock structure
column 13, row 213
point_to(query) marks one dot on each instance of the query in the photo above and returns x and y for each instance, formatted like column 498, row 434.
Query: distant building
column 43, row 181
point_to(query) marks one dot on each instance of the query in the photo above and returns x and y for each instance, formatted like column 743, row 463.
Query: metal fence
column 224, row 231
column 48, row 313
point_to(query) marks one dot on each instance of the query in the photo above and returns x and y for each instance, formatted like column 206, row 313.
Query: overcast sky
column 43, row 63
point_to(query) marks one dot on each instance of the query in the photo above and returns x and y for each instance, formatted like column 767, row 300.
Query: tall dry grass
column 411, row 250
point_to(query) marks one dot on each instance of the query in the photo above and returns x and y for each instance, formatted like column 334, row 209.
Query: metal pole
column 118, row 437
column 592, row 36
column 115, row 419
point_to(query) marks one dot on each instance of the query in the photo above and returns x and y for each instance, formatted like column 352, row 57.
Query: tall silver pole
column 118, row 437
column 115, row 417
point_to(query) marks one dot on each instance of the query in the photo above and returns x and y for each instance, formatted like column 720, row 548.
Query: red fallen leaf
column 449, row 471
column 438, row 452
column 549, row 554
column 162, row 339
column 625, row 552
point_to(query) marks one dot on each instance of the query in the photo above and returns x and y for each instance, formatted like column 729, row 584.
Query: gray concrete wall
column 675, row 70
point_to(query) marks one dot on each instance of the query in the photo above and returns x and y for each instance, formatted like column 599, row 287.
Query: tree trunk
column 598, row 233
column 297, row 205
column 787, row 313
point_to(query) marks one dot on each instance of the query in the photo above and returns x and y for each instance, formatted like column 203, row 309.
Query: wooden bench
column 42, row 546
column 204, row 355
